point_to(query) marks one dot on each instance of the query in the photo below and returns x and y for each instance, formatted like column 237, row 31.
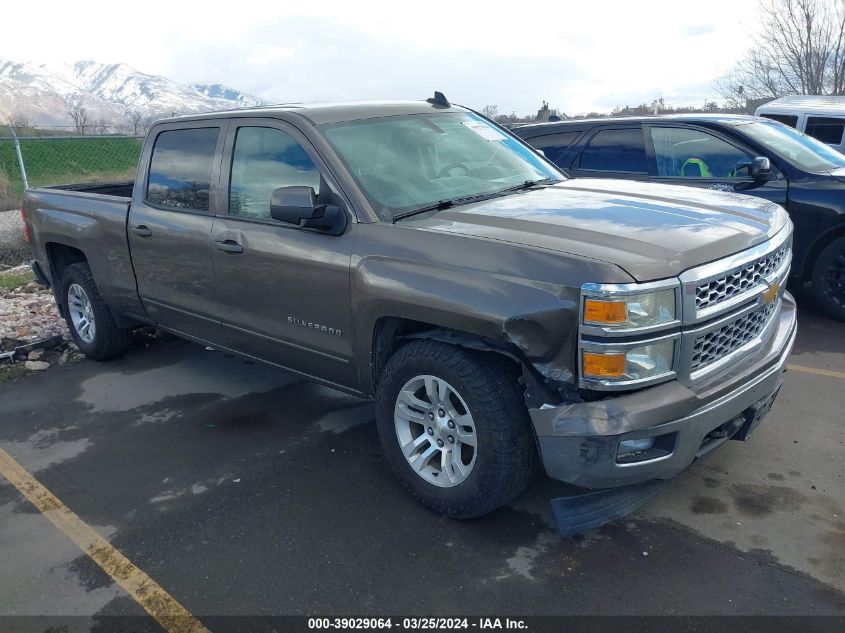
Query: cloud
column 693, row 30
column 478, row 53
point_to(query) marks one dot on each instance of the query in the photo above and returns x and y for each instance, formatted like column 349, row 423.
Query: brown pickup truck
column 419, row 254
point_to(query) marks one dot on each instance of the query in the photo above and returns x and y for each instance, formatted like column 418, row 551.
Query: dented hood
column 652, row 231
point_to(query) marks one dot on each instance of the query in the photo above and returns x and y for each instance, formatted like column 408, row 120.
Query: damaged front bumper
column 595, row 444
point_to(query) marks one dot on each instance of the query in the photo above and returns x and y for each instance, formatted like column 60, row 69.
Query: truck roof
column 804, row 103
column 535, row 128
column 325, row 112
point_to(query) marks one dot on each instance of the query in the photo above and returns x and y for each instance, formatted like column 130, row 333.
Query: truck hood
column 651, row 231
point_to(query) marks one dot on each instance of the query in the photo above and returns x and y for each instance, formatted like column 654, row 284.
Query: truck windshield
column 403, row 163
column 801, row 150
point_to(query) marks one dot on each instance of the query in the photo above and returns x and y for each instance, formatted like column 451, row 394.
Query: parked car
column 738, row 154
column 499, row 313
column 823, row 118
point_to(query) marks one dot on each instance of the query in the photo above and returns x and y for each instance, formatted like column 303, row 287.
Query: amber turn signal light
column 600, row 311
column 604, row 365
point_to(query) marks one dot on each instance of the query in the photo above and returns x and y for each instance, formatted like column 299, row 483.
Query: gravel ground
column 13, row 247
column 28, row 314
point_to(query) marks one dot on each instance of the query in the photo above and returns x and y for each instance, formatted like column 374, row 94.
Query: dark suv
column 741, row 154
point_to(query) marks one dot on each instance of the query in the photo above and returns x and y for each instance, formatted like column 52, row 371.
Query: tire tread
column 110, row 341
column 500, row 407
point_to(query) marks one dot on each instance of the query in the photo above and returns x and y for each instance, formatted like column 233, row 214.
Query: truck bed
column 87, row 219
column 121, row 189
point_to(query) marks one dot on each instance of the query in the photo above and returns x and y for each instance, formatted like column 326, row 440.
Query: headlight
column 647, row 309
column 635, row 363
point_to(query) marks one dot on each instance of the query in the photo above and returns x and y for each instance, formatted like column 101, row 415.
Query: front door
column 170, row 230
column 283, row 291
column 691, row 156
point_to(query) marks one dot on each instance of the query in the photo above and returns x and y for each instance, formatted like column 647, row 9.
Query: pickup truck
column 416, row 253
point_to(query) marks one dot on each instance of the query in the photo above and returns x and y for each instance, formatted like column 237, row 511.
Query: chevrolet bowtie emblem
column 771, row 293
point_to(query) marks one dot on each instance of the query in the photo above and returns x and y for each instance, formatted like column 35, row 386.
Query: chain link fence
column 31, row 158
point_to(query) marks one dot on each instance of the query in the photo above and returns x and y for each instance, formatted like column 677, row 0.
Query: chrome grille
column 740, row 280
column 715, row 345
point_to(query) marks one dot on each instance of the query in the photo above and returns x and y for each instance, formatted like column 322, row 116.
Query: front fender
column 539, row 319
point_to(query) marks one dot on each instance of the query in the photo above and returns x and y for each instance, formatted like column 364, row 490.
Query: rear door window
column 826, row 129
column 787, row 119
column 554, row 145
column 620, row 150
column 180, row 168
column 692, row 153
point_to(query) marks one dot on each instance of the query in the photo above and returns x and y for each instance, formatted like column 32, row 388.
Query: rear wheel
column 455, row 429
column 89, row 319
column 829, row 279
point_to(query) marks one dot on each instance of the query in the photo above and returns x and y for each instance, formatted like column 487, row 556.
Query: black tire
column 109, row 341
column 506, row 453
column 829, row 279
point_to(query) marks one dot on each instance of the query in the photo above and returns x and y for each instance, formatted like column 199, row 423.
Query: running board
column 578, row 513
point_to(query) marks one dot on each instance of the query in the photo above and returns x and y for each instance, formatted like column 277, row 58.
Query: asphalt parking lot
column 241, row 490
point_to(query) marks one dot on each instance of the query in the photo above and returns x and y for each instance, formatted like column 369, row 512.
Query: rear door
column 283, row 291
column 696, row 157
column 170, row 228
column 616, row 151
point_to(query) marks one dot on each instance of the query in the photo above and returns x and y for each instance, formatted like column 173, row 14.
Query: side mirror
column 761, row 169
column 299, row 206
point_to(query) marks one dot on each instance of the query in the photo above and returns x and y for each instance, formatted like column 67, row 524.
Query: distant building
column 544, row 113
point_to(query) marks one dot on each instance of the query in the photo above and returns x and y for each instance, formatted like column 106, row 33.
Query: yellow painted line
column 171, row 615
column 818, row 372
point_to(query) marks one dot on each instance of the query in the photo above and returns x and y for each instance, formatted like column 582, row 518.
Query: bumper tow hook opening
column 575, row 514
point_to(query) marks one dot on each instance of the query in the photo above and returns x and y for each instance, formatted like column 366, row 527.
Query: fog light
column 645, row 449
column 631, row 446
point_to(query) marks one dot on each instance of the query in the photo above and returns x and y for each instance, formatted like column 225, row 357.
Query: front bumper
column 579, row 443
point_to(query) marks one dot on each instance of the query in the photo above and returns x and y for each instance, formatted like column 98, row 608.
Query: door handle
column 229, row 246
column 141, row 231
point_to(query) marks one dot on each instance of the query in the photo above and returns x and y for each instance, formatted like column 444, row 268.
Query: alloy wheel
column 81, row 313
column 436, row 431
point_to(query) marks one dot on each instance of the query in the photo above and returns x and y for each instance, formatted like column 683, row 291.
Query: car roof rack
column 439, row 100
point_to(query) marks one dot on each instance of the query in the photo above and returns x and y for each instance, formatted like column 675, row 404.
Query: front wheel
column 89, row 319
column 829, row 279
column 454, row 427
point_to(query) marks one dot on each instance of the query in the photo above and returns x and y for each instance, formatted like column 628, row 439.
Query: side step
column 578, row 513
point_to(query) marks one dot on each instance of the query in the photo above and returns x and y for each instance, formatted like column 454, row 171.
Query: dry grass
column 11, row 281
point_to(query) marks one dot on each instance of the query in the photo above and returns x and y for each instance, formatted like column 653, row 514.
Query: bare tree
column 78, row 114
column 490, row 111
column 101, row 126
column 800, row 49
column 19, row 119
column 135, row 118
column 147, row 122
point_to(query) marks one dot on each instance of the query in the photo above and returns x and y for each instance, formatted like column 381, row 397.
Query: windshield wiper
column 437, row 206
column 528, row 184
column 448, row 203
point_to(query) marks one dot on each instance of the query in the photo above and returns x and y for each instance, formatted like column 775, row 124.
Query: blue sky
column 577, row 56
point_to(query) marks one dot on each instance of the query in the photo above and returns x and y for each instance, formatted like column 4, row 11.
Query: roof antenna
column 439, row 100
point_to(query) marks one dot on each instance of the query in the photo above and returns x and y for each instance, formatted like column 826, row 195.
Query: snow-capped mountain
column 219, row 91
column 109, row 92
